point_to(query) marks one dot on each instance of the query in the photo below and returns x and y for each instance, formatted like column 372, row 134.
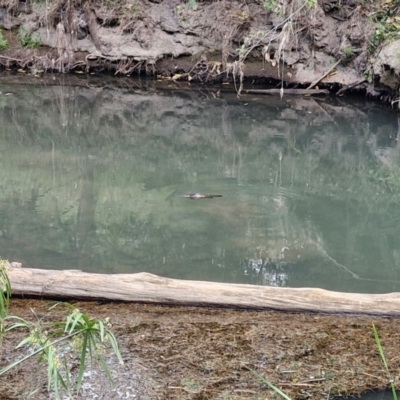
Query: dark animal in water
column 196, row 196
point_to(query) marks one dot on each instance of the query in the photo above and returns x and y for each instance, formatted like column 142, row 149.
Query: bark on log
column 148, row 288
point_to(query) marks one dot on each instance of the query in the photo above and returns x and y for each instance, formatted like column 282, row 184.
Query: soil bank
column 335, row 44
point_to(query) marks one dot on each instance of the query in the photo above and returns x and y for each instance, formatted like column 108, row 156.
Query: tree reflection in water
column 311, row 188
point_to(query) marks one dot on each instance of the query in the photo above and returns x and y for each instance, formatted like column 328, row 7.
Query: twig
column 298, row 92
column 347, row 87
column 373, row 376
column 296, row 384
column 10, row 58
column 324, row 75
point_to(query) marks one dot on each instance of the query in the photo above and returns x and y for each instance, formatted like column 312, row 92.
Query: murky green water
column 91, row 178
column 378, row 395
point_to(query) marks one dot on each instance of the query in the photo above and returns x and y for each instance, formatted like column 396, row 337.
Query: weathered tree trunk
column 148, row 288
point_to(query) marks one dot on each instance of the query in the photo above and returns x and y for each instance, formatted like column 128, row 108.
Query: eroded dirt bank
column 199, row 353
column 337, row 44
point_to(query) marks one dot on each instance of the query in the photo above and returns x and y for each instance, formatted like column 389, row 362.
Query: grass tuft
column 3, row 41
column 79, row 334
column 5, row 294
column 27, row 39
column 383, row 358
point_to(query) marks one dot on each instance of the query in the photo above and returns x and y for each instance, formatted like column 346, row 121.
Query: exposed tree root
column 93, row 26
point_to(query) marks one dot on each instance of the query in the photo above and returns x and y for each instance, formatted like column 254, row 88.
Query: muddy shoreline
column 201, row 353
column 344, row 46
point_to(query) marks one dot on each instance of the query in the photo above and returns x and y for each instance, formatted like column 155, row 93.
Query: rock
column 168, row 18
column 387, row 64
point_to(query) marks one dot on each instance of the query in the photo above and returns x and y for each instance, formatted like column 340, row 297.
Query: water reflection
column 91, row 178
column 380, row 395
column 266, row 273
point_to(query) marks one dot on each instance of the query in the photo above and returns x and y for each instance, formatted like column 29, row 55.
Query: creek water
column 91, row 179
column 379, row 395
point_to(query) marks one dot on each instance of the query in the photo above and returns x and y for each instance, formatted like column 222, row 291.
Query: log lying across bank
column 148, row 288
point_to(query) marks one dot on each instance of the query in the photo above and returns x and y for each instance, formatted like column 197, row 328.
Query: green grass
column 269, row 384
column 53, row 342
column 5, row 294
column 384, row 361
column 89, row 337
column 3, row 41
column 27, row 39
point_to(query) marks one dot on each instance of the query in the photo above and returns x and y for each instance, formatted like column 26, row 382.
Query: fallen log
column 147, row 288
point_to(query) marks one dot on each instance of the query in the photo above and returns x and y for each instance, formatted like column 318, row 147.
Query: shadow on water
column 382, row 395
column 91, row 179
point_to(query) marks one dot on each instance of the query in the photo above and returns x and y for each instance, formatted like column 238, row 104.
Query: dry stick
column 324, row 75
column 347, row 87
column 297, row 384
column 374, row 376
column 10, row 58
column 299, row 92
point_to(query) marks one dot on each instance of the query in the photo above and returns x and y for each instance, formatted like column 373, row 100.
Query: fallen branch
column 324, row 75
column 292, row 92
column 347, row 87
